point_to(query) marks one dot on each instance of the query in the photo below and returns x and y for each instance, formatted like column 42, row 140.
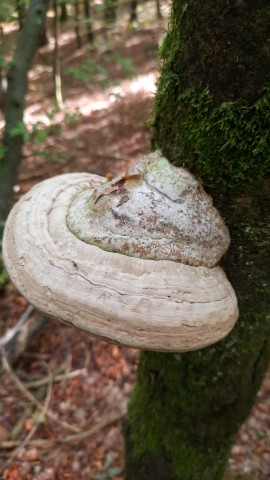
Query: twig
column 112, row 418
column 11, row 332
column 39, row 442
column 44, row 411
column 15, row 432
column 56, row 378
column 33, row 430
column 31, row 397
column 16, row 339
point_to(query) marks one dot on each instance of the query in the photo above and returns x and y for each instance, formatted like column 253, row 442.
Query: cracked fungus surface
column 154, row 211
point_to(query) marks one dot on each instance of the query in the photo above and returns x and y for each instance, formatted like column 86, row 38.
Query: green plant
column 19, row 130
column 3, row 272
column 89, row 72
column 94, row 72
column 6, row 11
column 124, row 63
column 72, row 118
column 39, row 134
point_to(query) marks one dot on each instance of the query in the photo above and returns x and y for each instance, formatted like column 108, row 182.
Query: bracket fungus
column 133, row 260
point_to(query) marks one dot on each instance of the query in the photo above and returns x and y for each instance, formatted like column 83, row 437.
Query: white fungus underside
column 152, row 305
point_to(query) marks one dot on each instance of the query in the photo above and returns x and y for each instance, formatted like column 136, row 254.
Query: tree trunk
column 88, row 18
column 43, row 39
column 58, row 99
column 64, row 12
column 159, row 14
column 212, row 116
column 133, row 11
column 77, row 24
column 110, row 12
column 14, row 102
column 3, row 88
column 20, row 7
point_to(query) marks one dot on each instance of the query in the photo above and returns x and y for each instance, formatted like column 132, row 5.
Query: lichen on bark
column 212, row 115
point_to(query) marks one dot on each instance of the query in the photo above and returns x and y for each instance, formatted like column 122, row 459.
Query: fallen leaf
column 3, row 433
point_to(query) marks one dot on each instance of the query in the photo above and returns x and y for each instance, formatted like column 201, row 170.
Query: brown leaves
column 11, row 473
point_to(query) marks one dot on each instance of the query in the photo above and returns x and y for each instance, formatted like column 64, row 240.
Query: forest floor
column 82, row 383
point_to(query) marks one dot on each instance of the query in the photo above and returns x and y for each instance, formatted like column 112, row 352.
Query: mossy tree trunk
column 13, row 136
column 212, row 114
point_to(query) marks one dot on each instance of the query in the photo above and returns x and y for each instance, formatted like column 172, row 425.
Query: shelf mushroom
column 133, row 260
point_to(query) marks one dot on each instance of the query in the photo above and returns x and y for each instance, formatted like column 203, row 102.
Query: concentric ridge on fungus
column 154, row 211
column 152, row 305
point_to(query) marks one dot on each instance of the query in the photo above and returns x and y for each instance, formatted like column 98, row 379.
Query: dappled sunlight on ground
column 103, row 128
column 87, row 103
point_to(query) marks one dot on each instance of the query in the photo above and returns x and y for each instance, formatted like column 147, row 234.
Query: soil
column 102, row 127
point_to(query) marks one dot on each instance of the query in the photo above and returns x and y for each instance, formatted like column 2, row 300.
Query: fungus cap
column 161, row 305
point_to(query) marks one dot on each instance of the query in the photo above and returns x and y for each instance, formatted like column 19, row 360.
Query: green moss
column 189, row 406
column 212, row 115
column 186, row 408
column 212, row 108
column 227, row 146
column 222, row 46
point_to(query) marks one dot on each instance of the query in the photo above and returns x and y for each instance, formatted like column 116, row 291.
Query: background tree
column 58, row 98
column 77, row 23
column 110, row 12
column 159, row 14
column 133, row 11
column 21, row 8
column 13, row 137
column 88, row 20
column 212, row 116
column 3, row 78
column 64, row 11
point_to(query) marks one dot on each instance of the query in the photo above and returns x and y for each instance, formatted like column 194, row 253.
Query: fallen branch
column 11, row 332
column 56, row 378
column 16, row 339
column 31, row 397
column 114, row 417
column 106, row 422
column 43, row 412
column 16, row 430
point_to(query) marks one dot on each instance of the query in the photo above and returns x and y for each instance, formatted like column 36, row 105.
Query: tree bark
column 20, row 7
column 64, row 12
column 110, row 12
column 159, row 14
column 133, row 11
column 211, row 116
column 58, row 99
column 89, row 20
column 15, row 100
column 77, row 24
